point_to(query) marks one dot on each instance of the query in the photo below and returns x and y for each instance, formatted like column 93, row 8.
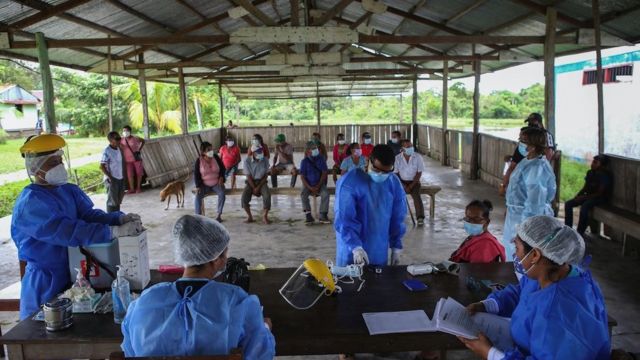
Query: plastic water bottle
column 121, row 296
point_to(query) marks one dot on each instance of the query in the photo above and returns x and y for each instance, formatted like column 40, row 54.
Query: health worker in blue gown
column 196, row 315
column 557, row 310
column 532, row 186
column 51, row 215
column 370, row 209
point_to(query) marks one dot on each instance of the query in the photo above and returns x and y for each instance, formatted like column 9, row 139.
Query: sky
column 519, row 77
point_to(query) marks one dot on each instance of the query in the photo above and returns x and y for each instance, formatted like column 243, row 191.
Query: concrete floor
column 287, row 242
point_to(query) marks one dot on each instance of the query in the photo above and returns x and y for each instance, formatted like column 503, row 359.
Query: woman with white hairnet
column 196, row 315
column 557, row 310
column 51, row 215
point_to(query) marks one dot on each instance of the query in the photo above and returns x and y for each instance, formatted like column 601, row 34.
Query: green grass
column 77, row 148
column 571, row 178
column 88, row 175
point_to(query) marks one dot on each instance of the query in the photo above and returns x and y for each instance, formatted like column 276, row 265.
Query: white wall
column 12, row 119
column 577, row 116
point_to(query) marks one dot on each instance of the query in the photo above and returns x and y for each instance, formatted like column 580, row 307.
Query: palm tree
column 163, row 103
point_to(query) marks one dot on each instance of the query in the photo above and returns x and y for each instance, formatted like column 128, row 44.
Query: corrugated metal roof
column 169, row 17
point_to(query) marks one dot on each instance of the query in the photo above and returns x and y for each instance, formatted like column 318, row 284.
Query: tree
column 163, row 104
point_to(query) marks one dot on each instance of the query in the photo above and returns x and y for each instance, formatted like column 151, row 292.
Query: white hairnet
column 558, row 242
column 198, row 239
column 33, row 162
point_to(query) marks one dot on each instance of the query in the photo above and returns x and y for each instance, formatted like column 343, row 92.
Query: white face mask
column 230, row 143
column 394, row 140
column 57, row 175
column 255, row 142
column 367, row 141
column 357, row 152
column 210, row 153
column 341, row 142
column 126, row 133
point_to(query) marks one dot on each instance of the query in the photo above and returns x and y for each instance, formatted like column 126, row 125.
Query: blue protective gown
column 47, row 220
column 565, row 320
column 370, row 215
column 531, row 190
column 212, row 321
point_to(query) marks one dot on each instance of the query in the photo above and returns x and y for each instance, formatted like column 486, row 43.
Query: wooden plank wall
column 214, row 136
column 298, row 136
column 492, row 153
column 626, row 183
column 423, row 139
column 466, row 147
column 453, row 149
column 170, row 158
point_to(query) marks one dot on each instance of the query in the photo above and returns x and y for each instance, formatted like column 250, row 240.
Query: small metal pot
column 58, row 314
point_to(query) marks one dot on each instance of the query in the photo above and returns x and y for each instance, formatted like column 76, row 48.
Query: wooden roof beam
column 423, row 58
column 44, row 13
column 128, row 41
column 295, row 12
column 352, row 26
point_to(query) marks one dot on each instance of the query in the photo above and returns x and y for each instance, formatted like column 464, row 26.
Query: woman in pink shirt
column 131, row 148
column 208, row 175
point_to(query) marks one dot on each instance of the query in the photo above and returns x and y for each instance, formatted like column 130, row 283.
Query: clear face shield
column 308, row 284
column 34, row 163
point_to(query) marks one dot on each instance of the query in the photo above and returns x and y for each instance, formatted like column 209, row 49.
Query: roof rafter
column 45, row 14
column 329, row 14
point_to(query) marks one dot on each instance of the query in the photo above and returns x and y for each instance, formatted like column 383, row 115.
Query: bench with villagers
column 430, row 190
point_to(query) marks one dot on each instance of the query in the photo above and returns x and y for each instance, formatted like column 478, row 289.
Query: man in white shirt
column 409, row 167
column 112, row 167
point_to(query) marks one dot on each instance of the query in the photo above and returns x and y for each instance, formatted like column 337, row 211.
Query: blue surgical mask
column 378, row 177
column 315, row 152
column 473, row 229
column 357, row 152
column 522, row 148
column 394, row 140
column 409, row 151
column 367, row 140
column 517, row 264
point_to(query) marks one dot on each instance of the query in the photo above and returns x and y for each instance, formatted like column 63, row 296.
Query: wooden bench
column 430, row 190
column 623, row 221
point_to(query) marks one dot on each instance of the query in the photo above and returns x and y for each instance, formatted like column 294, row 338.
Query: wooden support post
column 595, row 7
column 221, row 98
column 414, row 111
column 143, row 95
column 196, row 106
column 318, row 106
column 475, row 155
column 184, row 114
column 47, row 84
column 445, row 113
column 109, row 90
column 549, row 71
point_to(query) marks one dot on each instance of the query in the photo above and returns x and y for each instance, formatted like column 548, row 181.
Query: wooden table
column 333, row 325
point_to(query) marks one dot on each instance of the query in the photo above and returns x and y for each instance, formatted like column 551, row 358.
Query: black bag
column 136, row 154
column 237, row 273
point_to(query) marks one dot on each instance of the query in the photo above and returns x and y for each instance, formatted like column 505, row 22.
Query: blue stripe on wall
column 606, row 61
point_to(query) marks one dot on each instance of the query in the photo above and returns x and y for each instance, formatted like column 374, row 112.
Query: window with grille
column 610, row 74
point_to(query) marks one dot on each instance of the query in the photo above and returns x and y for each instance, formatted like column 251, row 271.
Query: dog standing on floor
column 173, row 188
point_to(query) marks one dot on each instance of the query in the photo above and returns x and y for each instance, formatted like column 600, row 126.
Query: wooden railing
column 298, row 136
column 459, row 149
column 626, row 183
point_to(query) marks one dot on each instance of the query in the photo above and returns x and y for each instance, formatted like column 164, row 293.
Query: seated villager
column 408, row 167
column 340, row 152
column 596, row 190
column 256, row 169
column 283, row 160
column 313, row 172
column 196, row 315
column 208, row 175
column 354, row 161
column 480, row 246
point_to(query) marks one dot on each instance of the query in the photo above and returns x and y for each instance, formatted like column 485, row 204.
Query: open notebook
column 449, row 316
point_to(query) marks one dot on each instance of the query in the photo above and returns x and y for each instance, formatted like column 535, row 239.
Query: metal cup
column 58, row 314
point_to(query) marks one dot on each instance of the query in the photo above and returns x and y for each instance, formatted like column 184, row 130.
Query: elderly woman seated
column 196, row 315
column 557, row 310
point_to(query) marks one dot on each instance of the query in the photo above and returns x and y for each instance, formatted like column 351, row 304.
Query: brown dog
column 173, row 188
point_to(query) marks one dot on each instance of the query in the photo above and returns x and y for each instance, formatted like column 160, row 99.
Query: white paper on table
column 398, row 322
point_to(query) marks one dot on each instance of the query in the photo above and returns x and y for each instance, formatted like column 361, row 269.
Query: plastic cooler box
column 130, row 251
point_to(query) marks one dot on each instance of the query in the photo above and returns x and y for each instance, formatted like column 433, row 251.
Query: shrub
column 3, row 137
